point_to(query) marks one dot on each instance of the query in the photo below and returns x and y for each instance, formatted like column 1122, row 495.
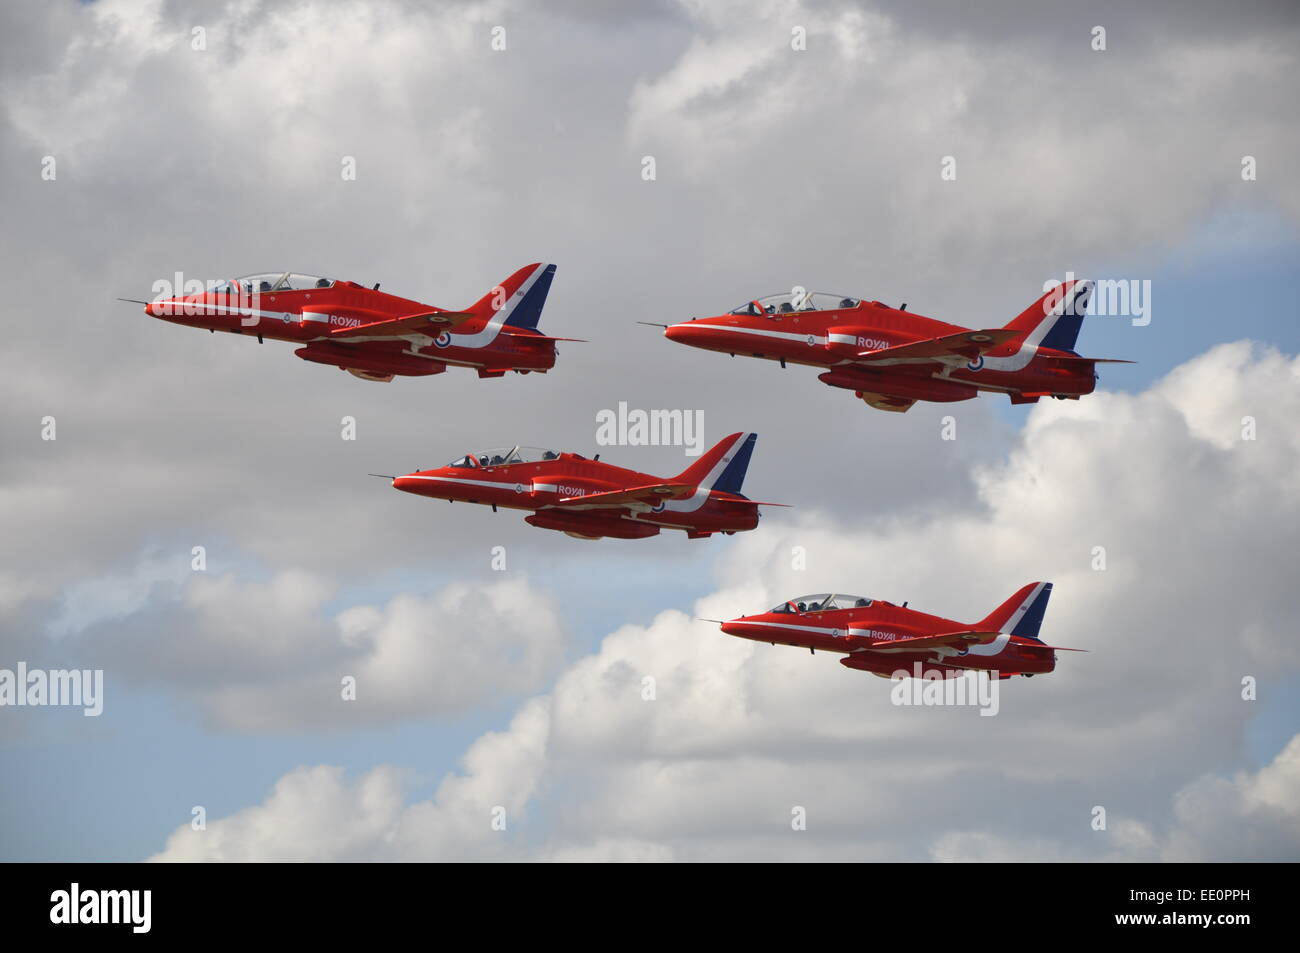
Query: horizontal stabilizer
column 965, row 345
column 430, row 322
column 539, row 337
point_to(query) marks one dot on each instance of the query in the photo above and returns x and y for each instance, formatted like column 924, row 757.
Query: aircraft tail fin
column 1054, row 319
column 1022, row 614
column 723, row 467
column 517, row 302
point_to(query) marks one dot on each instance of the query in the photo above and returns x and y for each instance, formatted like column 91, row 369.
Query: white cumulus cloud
column 738, row 738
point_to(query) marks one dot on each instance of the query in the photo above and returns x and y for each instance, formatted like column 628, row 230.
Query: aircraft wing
column 539, row 337
column 949, row 349
column 427, row 322
column 650, row 494
column 952, row 639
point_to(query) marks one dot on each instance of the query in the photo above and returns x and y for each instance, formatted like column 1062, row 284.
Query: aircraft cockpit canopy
column 504, row 456
column 272, row 281
column 792, row 302
column 823, row 602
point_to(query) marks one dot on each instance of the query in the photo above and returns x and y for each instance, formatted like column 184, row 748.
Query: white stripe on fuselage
column 192, row 309
column 778, row 335
column 688, row 505
column 278, row 317
column 1012, row 362
column 463, row 482
column 640, row 512
column 481, row 338
column 789, row 625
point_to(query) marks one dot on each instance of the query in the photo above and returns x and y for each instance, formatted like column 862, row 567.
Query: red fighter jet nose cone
column 406, row 483
column 695, row 333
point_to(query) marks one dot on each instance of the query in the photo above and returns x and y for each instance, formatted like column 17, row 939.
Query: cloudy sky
column 208, row 139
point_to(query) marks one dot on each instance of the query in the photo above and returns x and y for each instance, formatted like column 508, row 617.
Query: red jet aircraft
column 588, row 499
column 892, row 358
column 374, row 335
column 882, row 638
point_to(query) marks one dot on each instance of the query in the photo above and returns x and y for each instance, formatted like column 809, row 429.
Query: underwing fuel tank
column 590, row 527
column 326, row 353
column 894, row 385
